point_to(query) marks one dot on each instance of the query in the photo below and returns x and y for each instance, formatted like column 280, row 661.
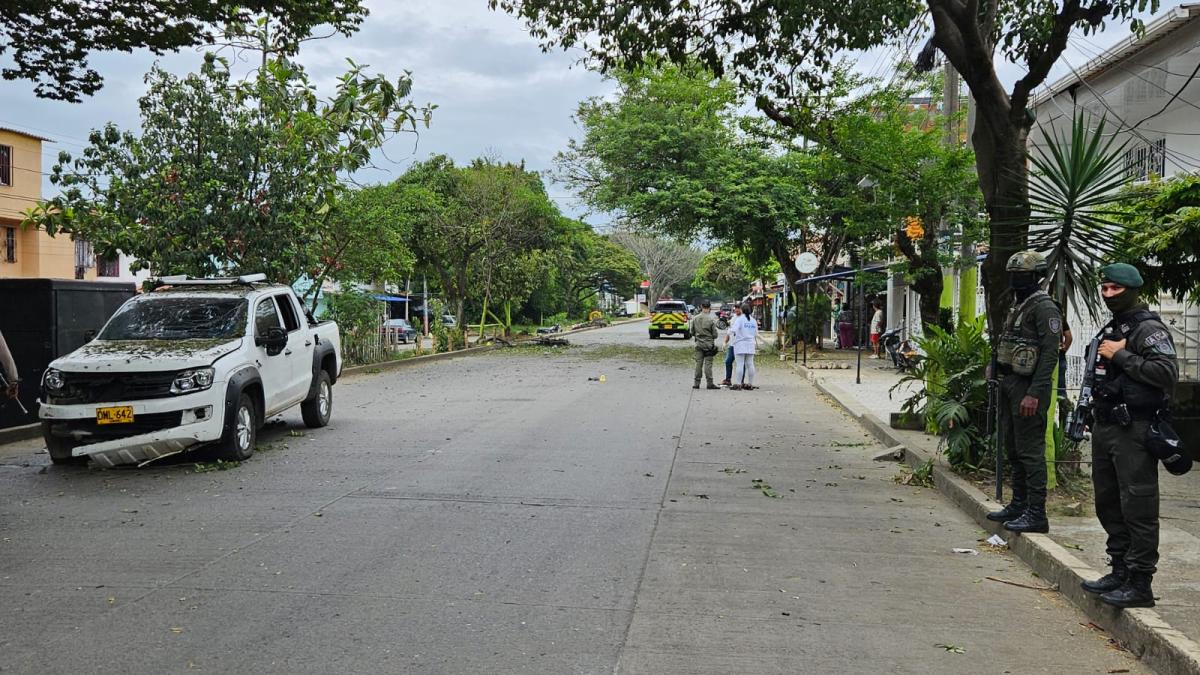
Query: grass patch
column 661, row 356
column 219, row 465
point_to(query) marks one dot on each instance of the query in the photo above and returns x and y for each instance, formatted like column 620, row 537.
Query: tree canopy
column 49, row 41
column 235, row 177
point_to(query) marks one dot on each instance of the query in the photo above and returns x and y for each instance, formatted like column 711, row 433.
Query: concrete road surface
column 505, row 513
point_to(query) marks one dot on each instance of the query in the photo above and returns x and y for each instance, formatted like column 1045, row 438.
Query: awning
column 843, row 275
column 390, row 298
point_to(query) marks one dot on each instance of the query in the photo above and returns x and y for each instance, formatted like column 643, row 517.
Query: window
column 265, row 317
column 10, row 244
column 1145, row 159
column 85, row 259
column 6, row 167
column 288, row 311
column 108, row 267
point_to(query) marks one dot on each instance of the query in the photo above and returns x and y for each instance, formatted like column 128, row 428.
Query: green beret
column 1123, row 274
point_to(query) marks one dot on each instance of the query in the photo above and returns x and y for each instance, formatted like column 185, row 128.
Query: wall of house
column 1137, row 88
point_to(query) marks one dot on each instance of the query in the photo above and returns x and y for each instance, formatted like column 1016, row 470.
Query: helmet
column 1026, row 261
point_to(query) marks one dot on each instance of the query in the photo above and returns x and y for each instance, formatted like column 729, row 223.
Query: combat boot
column 1135, row 592
column 1109, row 582
column 1033, row 520
column 1014, row 510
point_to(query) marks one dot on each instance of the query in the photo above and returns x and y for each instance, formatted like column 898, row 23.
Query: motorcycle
column 899, row 350
column 722, row 323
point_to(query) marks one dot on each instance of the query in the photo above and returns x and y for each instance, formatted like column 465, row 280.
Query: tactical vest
column 1114, row 387
column 1020, row 344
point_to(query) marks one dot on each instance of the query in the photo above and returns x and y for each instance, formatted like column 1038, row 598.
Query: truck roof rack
column 185, row 280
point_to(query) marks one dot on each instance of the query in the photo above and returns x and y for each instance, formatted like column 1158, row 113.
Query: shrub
column 953, row 399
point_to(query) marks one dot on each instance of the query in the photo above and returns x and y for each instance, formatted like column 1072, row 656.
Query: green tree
column 668, row 157
column 726, row 270
column 782, row 53
column 232, row 177
column 474, row 228
column 48, row 43
column 586, row 262
column 1162, row 235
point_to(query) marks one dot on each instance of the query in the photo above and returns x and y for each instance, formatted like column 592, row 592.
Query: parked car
column 196, row 362
column 449, row 321
column 669, row 317
column 403, row 330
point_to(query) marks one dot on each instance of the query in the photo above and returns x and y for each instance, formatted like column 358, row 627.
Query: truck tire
column 241, row 431
column 653, row 335
column 60, row 449
column 687, row 335
column 317, row 410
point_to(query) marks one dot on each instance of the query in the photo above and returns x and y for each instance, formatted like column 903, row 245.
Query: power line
column 1164, row 89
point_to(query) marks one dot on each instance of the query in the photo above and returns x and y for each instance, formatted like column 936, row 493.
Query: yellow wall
column 38, row 254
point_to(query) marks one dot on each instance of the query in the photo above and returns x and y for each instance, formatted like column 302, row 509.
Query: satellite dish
column 806, row 263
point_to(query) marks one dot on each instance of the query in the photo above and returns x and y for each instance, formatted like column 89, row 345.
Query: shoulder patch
column 1055, row 325
column 1160, row 342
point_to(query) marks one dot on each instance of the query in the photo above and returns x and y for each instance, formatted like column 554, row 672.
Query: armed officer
column 1027, row 355
column 1137, row 359
column 704, row 331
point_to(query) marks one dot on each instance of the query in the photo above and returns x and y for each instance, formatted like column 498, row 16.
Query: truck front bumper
column 160, row 427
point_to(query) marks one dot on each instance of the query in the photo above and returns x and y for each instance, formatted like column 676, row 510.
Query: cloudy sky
column 496, row 92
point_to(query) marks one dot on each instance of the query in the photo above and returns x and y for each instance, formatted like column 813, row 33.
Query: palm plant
column 1074, row 195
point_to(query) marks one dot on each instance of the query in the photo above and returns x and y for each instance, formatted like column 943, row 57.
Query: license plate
column 122, row 414
column 669, row 326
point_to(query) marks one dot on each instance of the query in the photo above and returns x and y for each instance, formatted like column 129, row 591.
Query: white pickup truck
column 193, row 363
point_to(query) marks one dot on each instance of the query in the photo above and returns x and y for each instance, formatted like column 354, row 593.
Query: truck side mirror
column 275, row 340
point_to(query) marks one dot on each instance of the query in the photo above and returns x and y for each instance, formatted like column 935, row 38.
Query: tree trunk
column 1004, row 180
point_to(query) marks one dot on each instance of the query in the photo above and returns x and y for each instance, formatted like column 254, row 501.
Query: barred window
column 6, row 167
column 1145, row 159
column 10, row 244
column 108, row 267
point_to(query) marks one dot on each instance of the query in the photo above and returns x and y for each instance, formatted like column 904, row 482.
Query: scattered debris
column 1018, row 584
column 762, row 486
column 953, row 649
column 550, row 342
column 219, row 465
column 966, row 551
column 1077, row 547
column 893, row 454
column 995, row 540
column 732, row 471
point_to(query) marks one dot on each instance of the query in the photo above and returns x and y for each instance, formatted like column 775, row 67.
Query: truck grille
column 114, row 387
column 86, row 431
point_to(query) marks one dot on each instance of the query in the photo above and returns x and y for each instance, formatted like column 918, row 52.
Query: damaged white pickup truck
column 193, row 363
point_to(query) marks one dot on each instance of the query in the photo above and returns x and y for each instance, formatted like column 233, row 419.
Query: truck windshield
column 178, row 319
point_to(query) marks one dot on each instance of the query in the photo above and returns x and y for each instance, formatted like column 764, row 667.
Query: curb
column 21, row 433
column 374, row 368
column 1143, row 631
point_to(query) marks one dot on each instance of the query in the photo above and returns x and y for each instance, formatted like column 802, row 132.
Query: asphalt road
column 507, row 513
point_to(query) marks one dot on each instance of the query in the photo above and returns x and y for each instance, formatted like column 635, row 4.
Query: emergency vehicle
column 669, row 316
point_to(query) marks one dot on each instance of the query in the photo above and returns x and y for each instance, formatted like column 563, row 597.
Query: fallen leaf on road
column 177, row 631
column 953, row 649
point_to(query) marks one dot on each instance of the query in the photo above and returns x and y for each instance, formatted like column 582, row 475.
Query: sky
column 497, row 93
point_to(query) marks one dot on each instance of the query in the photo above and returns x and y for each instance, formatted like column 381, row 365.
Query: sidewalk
column 1166, row 636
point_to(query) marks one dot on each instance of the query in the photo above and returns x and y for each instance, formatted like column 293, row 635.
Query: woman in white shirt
column 745, row 335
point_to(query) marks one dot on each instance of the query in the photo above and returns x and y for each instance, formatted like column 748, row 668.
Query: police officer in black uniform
column 1139, row 372
column 1027, row 355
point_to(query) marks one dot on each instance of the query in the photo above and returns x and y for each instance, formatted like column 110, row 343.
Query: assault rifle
column 993, row 421
column 1081, row 417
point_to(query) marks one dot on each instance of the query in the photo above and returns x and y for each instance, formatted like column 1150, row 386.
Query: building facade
column 29, row 253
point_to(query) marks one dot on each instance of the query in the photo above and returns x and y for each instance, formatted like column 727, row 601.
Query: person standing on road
column 704, row 331
column 1027, row 355
column 876, row 328
column 8, row 368
column 1139, row 375
column 737, row 313
column 745, row 339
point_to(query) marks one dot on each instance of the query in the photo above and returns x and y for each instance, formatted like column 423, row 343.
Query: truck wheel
column 687, row 335
column 653, row 335
column 318, row 409
column 241, row 430
column 60, row 448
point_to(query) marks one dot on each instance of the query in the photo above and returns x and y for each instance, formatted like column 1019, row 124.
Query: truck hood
column 101, row 356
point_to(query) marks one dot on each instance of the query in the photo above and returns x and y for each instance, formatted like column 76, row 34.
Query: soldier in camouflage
column 1137, row 358
column 1027, row 355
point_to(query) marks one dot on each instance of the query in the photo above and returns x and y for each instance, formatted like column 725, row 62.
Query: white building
column 1148, row 90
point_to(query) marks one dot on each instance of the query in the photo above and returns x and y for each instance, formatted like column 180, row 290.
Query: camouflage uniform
column 704, row 331
column 1028, row 353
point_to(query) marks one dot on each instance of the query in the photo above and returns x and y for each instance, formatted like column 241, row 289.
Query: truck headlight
column 192, row 380
column 53, row 380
